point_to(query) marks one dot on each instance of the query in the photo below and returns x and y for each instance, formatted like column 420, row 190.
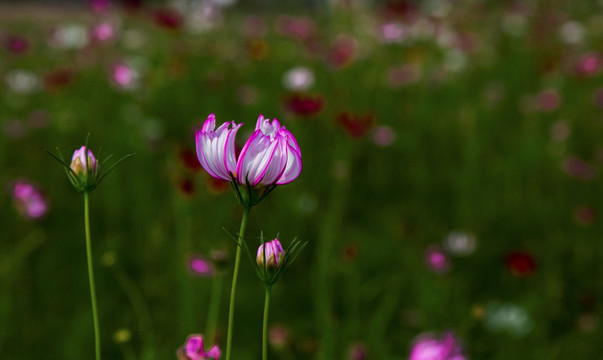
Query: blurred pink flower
column 123, row 75
column 548, row 100
column 343, row 51
column 200, row 266
column 391, row 32
column 430, row 347
column 278, row 336
column 577, row 168
column 588, row 64
column 99, row 6
column 383, row 135
column 403, row 75
column 300, row 28
column 29, row 200
column 436, row 259
column 103, row 32
column 254, row 26
column 193, row 349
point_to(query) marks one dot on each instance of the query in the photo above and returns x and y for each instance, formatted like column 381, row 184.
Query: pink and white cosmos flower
column 271, row 156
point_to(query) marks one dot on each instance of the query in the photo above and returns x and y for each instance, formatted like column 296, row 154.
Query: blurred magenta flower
column 123, row 75
column 99, row 6
column 430, row 347
column 29, row 200
column 168, row 18
column 17, row 44
column 272, row 253
column 588, row 64
column 193, row 349
column 271, row 156
column 200, row 266
column 81, row 165
column 436, row 259
column 102, row 32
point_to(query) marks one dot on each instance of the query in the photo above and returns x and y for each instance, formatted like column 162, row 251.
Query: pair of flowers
column 271, row 156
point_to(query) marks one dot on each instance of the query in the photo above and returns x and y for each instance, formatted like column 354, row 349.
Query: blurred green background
column 471, row 130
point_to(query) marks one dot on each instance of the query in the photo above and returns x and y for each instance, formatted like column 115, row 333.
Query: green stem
column 214, row 307
column 235, row 275
column 265, row 329
column 91, row 279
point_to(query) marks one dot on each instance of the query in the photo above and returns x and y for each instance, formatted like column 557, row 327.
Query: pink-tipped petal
column 293, row 167
column 215, row 149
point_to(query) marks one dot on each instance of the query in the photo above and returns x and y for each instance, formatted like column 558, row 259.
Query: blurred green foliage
column 475, row 149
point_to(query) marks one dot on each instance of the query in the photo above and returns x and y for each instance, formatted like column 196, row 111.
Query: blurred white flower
column 21, row 81
column 69, row 36
column 572, row 32
column 460, row 243
column 298, row 79
column 455, row 60
column 509, row 318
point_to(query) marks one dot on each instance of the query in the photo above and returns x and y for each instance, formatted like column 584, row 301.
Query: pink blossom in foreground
column 29, row 200
column 193, row 349
column 272, row 253
column 271, row 156
column 430, row 347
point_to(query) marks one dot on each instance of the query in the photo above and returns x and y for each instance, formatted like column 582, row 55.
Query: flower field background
column 451, row 177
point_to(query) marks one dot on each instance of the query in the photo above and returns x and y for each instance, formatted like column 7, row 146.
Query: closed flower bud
column 270, row 255
column 82, row 166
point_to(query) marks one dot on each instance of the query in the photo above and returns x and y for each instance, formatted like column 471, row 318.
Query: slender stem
column 214, row 307
column 235, row 275
column 91, row 279
column 265, row 329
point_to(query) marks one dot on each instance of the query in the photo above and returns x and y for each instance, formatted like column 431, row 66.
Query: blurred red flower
column 304, row 104
column 520, row 263
column 355, row 125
